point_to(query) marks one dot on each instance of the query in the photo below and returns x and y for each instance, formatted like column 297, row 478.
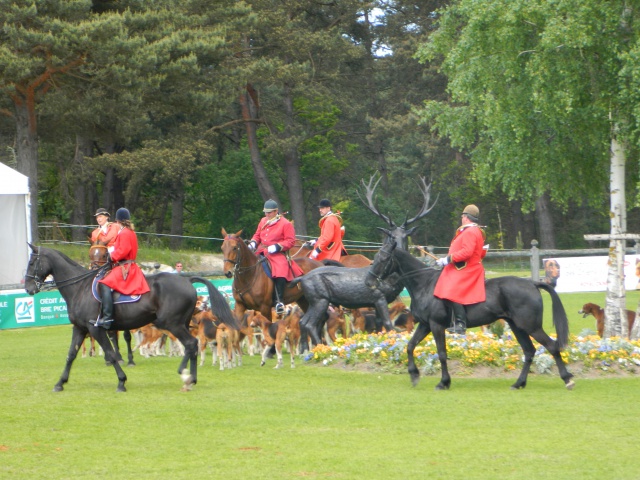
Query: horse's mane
column 63, row 257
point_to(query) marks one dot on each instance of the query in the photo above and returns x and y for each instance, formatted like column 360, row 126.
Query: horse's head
column 98, row 255
column 382, row 265
column 38, row 269
column 234, row 251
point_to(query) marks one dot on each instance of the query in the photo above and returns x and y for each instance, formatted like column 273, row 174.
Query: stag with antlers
column 398, row 234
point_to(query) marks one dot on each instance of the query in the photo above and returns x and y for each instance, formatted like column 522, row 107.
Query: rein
column 239, row 270
column 41, row 285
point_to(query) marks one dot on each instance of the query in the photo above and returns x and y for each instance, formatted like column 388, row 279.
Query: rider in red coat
column 274, row 237
column 106, row 232
column 462, row 279
column 329, row 243
column 125, row 276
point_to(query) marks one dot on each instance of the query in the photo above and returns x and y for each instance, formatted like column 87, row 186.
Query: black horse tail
column 560, row 321
column 219, row 305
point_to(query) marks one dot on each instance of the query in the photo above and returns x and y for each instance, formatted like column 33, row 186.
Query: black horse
column 169, row 305
column 516, row 300
column 345, row 287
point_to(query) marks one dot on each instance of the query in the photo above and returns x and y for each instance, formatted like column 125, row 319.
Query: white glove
column 252, row 246
column 111, row 249
column 486, row 247
column 313, row 255
column 309, row 244
column 441, row 262
column 312, row 242
column 273, row 248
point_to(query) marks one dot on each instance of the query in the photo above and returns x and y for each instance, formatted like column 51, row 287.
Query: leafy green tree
column 538, row 99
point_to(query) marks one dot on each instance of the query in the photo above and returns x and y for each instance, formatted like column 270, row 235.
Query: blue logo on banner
column 24, row 310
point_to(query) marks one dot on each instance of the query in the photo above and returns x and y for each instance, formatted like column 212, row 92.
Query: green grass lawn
column 311, row 422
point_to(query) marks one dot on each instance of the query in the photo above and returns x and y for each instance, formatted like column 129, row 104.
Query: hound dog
column 598, row 313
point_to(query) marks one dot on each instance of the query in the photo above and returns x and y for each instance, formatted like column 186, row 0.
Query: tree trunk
column 249, row 115
column 292, row 170
column 545, row 223
column 27, row 158
column 177, row 217
column 84, row 149
column 615, row 302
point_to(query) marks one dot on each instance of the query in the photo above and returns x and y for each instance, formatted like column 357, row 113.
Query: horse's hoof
column 570, row 384
column 58, row 388
column 131, row 364
column 262, row 364
column 121, row 389
column 515, row 386
column 442, row 387
column 414, row 381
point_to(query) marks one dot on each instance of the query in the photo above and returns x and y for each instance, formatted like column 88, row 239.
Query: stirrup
column 458, row 329
column 279, row 308
column 100, row 322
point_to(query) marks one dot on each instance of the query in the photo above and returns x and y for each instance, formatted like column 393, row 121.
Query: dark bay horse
column 169, row 305
column 355, row 260
column 252, row 288
column 516, row 300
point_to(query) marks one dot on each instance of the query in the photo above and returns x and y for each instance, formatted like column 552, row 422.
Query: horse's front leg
column 418, row 335
column 77, row 338
column 441, row 346
column 382, row 309
column 109, row 355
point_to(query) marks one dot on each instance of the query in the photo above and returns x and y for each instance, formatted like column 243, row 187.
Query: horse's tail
column 560, row 321
column 218, row 303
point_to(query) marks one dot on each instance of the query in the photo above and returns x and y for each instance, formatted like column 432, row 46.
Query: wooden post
column 535, row 261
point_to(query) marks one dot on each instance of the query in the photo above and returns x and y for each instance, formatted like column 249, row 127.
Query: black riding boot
column 106, row 317
column 279, row 284
column 460, row 319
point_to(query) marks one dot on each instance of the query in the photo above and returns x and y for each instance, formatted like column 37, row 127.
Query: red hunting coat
column 278, row 231
column 462, row 280
column 329, row 244
column 106, row 236
column 126, row 278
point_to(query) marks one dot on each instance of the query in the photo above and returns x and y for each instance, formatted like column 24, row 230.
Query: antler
column 426, row 208
column 369, row 196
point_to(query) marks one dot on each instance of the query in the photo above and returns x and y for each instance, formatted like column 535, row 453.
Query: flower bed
column 388, row 351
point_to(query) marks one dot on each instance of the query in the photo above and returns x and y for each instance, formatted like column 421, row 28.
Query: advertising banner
column 19, row 310
column 587, row 274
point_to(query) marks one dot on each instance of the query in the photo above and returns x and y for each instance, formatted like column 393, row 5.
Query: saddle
column 117, row 296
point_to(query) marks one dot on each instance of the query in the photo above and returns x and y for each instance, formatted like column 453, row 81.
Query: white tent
column 16, row 225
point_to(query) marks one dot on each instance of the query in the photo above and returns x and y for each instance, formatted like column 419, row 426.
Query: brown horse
column 356, row 260
column 252, row 288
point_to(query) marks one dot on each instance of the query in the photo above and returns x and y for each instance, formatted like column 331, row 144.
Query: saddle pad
column 266, row 266
column 117, row 296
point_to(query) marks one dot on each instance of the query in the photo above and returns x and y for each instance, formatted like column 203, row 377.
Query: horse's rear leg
column 110, row 356
column 77, row 339
column 529, row 351
column 127, row 338
column 190, row 357
column 552, row 346
column 312, row 320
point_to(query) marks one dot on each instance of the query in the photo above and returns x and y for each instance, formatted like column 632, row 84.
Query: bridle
column 388, row 267
column 238, row 270
column 41, row 284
